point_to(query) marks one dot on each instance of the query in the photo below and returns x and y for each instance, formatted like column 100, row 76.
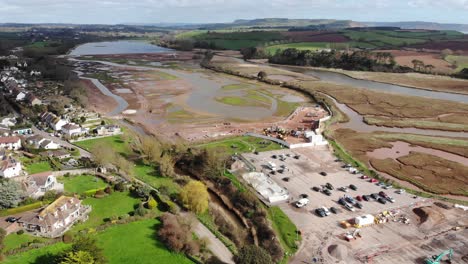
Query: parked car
column 388, row 186
column 400, row 191
column 11, row 219
column 375, row 196
column 349, row 199
column 315, row 188
column 329, row 186
column 323, row 173
column 358, row 205
column 366, row 198
column 302, row 202
column 325, row 210
column 381, row 200
column 320, row 212
column 343, row 189
column 327, row 192
column 359, row 198
column 341, row 201
column 349, row 207
column 364, row 177
column 390, row 199
column 273, row 156
column 383, row 194
column 373, row 180
column 297, row 156
column 353, row 187
column 333, row 210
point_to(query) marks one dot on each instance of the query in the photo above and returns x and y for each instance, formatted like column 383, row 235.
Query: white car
column 400, row 191
column 302, row 202
column 325, row 210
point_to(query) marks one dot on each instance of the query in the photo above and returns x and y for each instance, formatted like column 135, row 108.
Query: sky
column 217, row 11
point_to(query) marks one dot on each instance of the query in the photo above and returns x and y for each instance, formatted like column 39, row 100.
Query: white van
column 302, row 202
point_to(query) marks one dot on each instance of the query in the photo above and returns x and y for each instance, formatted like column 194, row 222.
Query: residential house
column 72, row 130
column 20, row 96
column 59, row 154
column 41, row 142
column 8, row 121
column 53, row 121
column 9, row 167
column 32, row 100
column 108, row 130
column 56, row 218
column 11, row 142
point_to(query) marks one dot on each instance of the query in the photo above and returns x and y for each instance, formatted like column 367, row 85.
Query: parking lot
column 322, row 237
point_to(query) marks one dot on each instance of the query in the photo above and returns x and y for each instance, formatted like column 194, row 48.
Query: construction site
column 376, row 223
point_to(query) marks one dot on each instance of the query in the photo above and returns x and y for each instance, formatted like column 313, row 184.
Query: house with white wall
column 10, row 167
column 11, row 142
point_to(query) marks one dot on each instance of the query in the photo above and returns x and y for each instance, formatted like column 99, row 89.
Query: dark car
column 323, row 173
column 353, row 187
column 366, row 198
column 315, row 188
column 256, row 152
column 341, row 201
column 334, row 210
column 329, row 186
column 320, row 212
column 11, row 219
column 274, row 156
column 297, row 156
column 359, row 198
column 374, row 196
column 280, row 170
column 381, row 200
column 358, row 205
column 383, row 194
column 327, row 192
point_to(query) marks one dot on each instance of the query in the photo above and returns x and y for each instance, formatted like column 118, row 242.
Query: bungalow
column 56, row 218
column 107, row 130
column 53, row 121
column 72, row 130
column 9, row 167
column 13, row 143
column 8, row 121
column 44, row 180
column 59, row 154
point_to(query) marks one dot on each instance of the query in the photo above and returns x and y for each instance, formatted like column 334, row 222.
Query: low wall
column 279, row 141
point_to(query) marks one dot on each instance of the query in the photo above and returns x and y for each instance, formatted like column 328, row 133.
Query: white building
column 108, row 130
column 72, row 130
column 41, row 142
column 266, row 187
column 20, row 96
column 364, row 220
column 13, row 143
column 9, row 167
column 53, row 121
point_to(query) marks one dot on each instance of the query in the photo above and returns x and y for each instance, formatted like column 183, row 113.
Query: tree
column 151, row 203
column 252, row 254
column 88, row 244
column 103, row 155
column 166, row 166
column 150, row 148
column 78, row 257
column 195, row 197
column 10, row 193
column 141, row 210
column 417, row 64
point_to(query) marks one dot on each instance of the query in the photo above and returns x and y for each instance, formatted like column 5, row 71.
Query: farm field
column 300, row 46
column 405, row 58
column 460, row 62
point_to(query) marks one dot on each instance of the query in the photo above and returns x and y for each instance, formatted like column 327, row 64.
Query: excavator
column 436, row 259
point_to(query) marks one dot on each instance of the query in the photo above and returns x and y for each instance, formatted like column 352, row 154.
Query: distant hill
column 419, row 25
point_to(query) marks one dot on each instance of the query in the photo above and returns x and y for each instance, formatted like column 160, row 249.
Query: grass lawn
column 241, row 145
column 286, row 108
column 114, row 142
column 286, row 229
column 14, row 240
column 136, row 243
column 300, row 46
column 116, row 204
column 36, row 256
column 82, row 183
column 149, row 175
column 38, row 167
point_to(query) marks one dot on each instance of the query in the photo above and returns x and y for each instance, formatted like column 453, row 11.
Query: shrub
column 67, row 238
column 151, row 203
column 108, row 190
column 173, row 208
column 141, row 210
column 20, row 232
column 99, row 194
column 252, row 254
column 119, row 187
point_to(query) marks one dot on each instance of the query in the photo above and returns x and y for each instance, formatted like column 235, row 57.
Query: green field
column 114, row 142
column 38, row 167
column 386, row 38
column 241, row 145
column 233, row 40
column 14, row 240
column 460, row 61
column 136, row 243
column 37, row 256
column 82, row 183
column 149, row 175
column 299, row 45
column 116, row 204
